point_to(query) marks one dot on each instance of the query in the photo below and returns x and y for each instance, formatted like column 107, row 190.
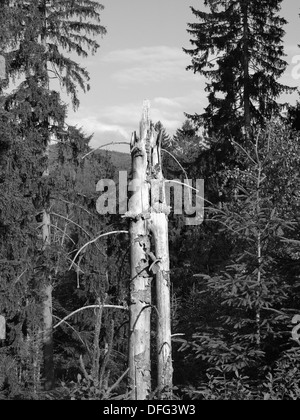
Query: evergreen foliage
column 254, row 298
column 238, row 47
column 34, row 35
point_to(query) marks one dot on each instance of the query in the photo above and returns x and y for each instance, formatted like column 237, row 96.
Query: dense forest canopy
column 66, row 282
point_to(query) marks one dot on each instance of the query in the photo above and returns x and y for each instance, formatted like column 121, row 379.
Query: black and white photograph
column 149, row 203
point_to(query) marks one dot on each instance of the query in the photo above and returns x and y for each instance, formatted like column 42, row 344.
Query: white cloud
column 126, row 114
column 129, row 114
column 144, row 54
column 149, row 65
column 116, row 123
column 153, row 73
column 166, row 102
column 170, row 111
column 91, row 124
column 103, row 132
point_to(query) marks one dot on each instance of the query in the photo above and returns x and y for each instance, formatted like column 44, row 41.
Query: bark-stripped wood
column 140, row 283
column 148, row 212
column 158, row 225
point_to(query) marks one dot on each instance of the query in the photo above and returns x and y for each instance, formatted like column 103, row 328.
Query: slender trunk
column 247, row 111
column 46, row 232
column 96, row 348
column 140, row 287
column 258, row 311
column 158, row 225
column 2, row 68
column 140, row 312
column 259, row 247
column 47, row 313
column 163, row 299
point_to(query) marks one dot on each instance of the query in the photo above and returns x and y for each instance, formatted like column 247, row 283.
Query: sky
column 141, row 58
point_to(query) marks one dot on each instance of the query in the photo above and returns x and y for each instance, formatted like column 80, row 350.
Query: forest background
column 235, row 278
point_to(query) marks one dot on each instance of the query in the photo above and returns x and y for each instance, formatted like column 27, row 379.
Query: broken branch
column 94, row 240
column 89, row 307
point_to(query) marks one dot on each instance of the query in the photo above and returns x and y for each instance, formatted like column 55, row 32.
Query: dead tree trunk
column 158, row 226
column 149, row 216
column 140, row 283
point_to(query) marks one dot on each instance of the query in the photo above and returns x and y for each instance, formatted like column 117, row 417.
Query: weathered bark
column 149, row 215
column 140, row 283
column 164, row 349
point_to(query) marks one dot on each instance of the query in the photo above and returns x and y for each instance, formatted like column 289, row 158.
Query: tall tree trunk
column 247, row 111
column 163, row 299
column 46, row 232
column 158, row 225
column 140, row 287
column 149, row 215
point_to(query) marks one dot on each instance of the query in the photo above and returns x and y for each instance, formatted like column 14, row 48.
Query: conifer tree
column 47, row 31
column 187, row 143
column 238, row 47
column 165, row 138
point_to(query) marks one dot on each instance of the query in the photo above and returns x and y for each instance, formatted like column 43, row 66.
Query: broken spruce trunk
column 148, row 213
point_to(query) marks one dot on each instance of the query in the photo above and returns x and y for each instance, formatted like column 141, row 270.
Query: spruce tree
column 238, row 47
column 46, row 33
column 188, row 144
